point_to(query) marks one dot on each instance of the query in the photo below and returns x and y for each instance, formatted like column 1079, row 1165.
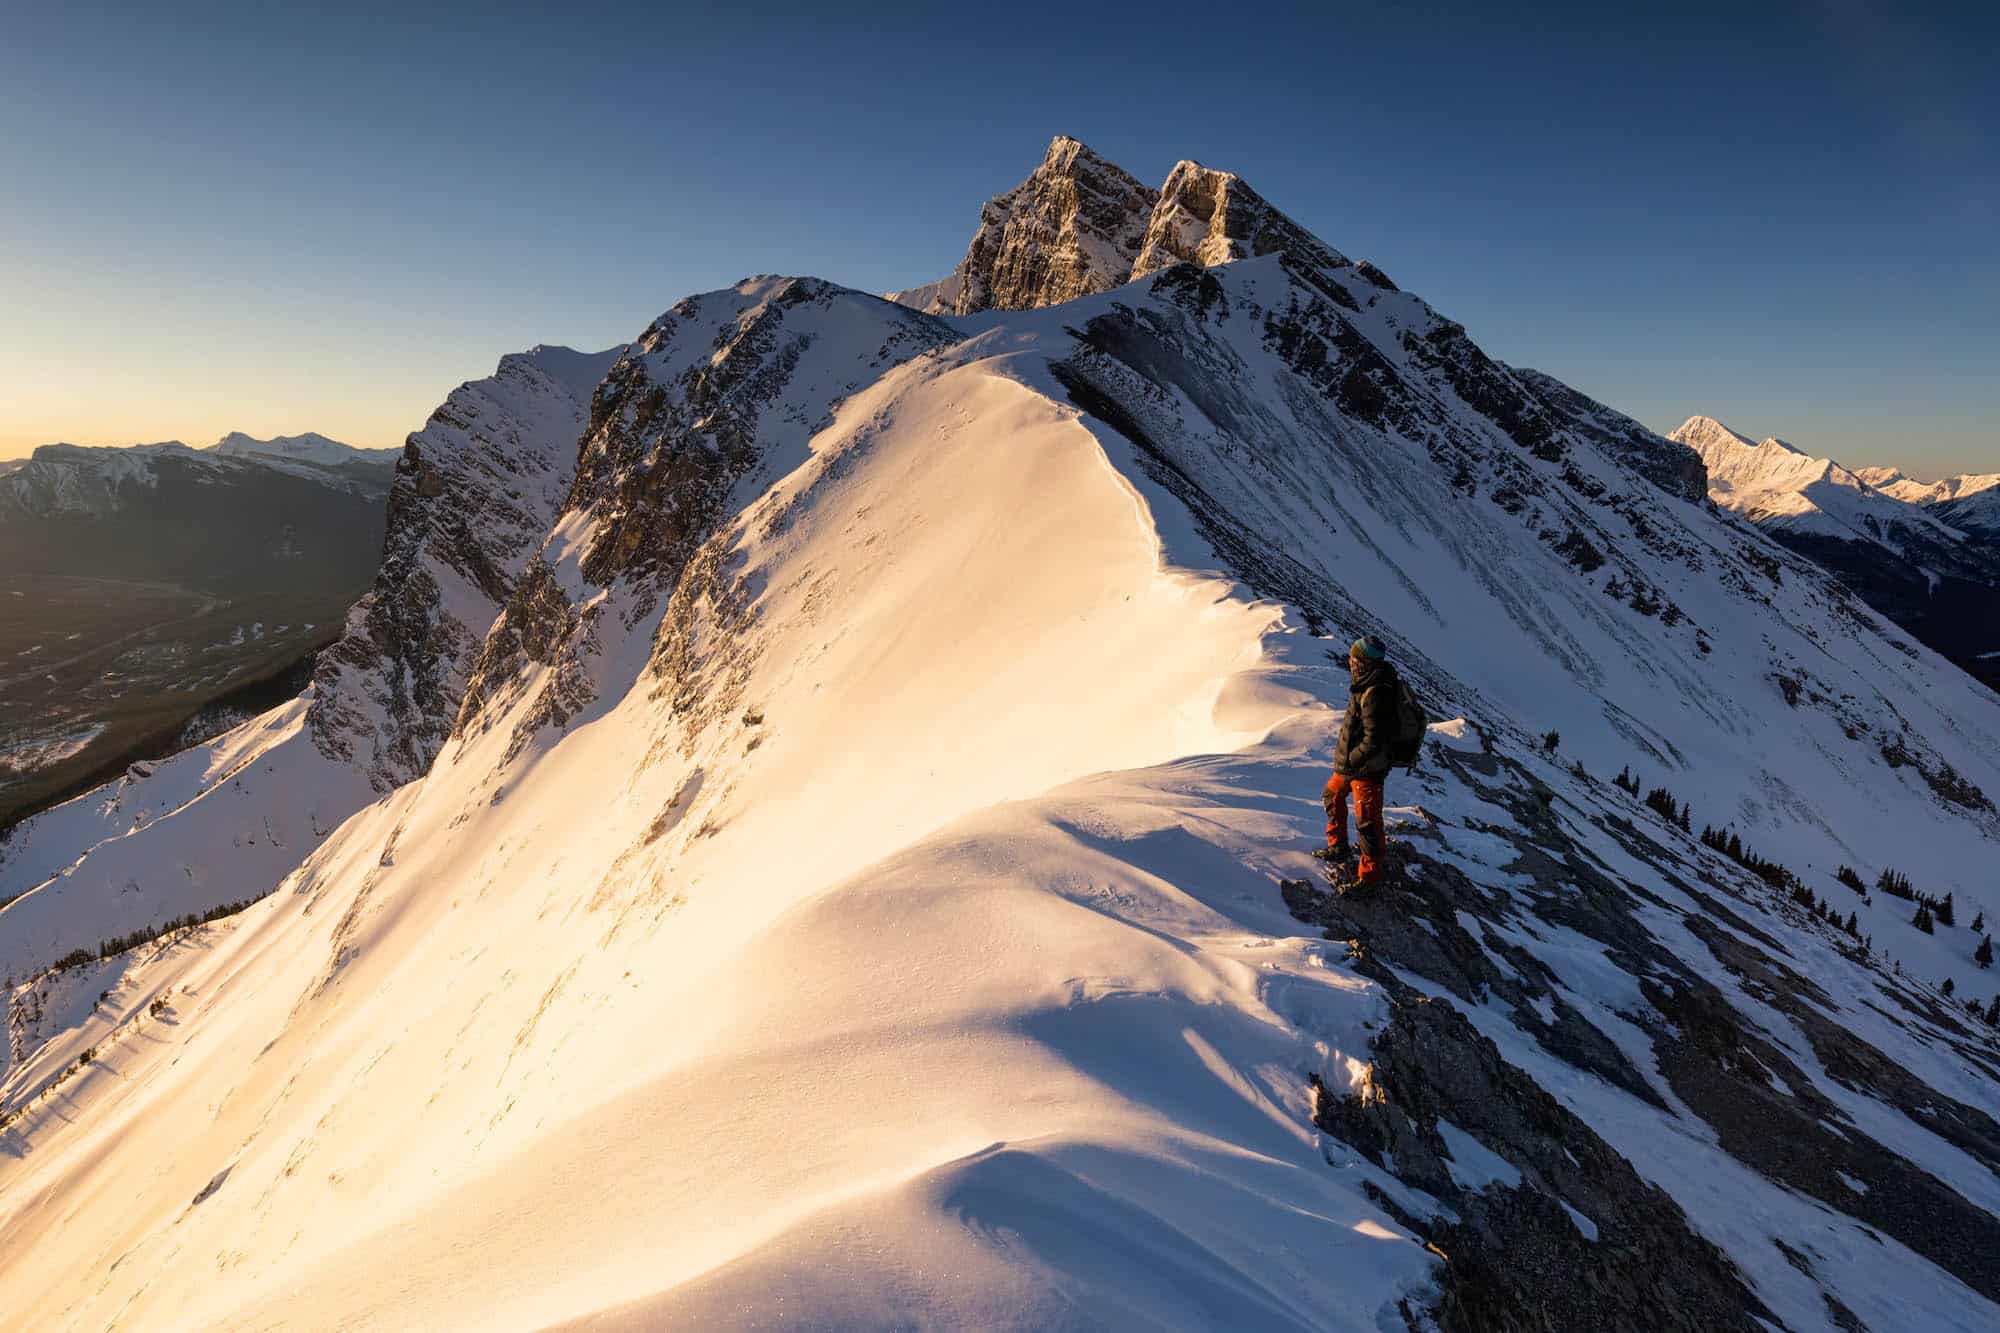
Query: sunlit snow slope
column 865, row 882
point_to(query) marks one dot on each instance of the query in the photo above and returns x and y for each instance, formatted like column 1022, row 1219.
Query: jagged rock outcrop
column 1072, row 228
column 475, row 493
column 1210, row 217
column 1517, row 1256
column 680, row 433
column 1079, row 225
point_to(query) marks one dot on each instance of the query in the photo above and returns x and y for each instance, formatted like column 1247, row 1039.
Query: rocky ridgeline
column 710, row 405
column 1080, row 225
column 475, row 493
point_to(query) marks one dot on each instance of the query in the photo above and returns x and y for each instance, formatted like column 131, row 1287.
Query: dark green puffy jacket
column 1363, row 750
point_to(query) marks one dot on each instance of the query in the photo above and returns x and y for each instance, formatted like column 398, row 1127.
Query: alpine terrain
column 151, row 596
column 1925, row 555
column 810, row 828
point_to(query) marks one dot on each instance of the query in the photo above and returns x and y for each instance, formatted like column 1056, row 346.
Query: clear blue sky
column 238, row 218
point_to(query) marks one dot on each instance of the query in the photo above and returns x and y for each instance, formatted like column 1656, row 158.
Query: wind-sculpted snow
column 866, row 881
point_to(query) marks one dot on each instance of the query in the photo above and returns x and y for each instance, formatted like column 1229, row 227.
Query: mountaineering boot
column 1333, row 854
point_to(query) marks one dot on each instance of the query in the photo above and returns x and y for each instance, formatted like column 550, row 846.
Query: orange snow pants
column 1367, row 821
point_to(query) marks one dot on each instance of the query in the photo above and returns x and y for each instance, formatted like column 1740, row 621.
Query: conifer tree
column 1979, row 921
column 1946, row 913
column 1949, row 986
column 1922, row 920
column 1983, row 955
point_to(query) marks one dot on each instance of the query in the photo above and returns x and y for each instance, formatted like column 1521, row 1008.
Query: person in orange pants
column 1368, row 828
column 1361, row 761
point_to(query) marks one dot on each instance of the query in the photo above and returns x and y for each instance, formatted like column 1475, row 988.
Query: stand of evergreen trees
column 118, row 944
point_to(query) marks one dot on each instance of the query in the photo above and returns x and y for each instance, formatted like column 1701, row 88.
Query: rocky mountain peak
column 1706, row 432
column 1080, row 225
column 1211, row 217
column 1072, row 228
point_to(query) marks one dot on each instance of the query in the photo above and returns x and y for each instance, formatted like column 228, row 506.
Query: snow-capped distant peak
column 310, row 447
column 1780, row 486
column 1896, row 482
column 1703, row 432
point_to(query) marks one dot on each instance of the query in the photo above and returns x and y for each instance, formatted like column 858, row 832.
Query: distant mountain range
column 149, row 589
column 1925, row 554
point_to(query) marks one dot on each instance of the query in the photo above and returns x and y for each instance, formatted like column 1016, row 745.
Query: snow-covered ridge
column 307, row 448
column 1931, row 564
column 86, row 480
column 1893, row 481
column 1969, row 502
column 908, row 729
column 1775, row 482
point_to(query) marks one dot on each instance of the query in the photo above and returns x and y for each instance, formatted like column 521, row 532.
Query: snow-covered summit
column 1896, row 482
column 1774, row 482
column 1926, row 563
column 1969, row 502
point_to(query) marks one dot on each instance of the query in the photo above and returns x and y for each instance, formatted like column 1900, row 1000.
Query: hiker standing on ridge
column 1370, row 737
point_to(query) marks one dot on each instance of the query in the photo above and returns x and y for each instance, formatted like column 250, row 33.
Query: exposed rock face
column 1513, row 1260
column 475, row 493
column 1072, row 228
column 1673, row 466
column 1080, row 225
column 1209, row 217
column 681, row 431
column 1516, row 1256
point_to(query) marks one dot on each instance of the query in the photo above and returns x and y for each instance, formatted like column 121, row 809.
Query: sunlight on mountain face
column 811, row 823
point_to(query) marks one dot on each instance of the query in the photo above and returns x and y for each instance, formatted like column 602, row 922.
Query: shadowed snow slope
column 850, row 891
